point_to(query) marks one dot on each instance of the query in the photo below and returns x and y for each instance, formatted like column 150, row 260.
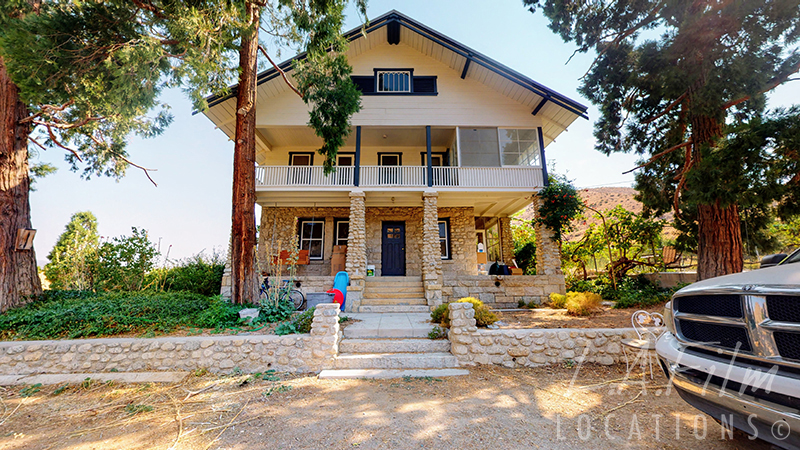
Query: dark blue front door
column 393, row 249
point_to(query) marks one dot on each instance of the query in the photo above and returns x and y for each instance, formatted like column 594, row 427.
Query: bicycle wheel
column 297, row 298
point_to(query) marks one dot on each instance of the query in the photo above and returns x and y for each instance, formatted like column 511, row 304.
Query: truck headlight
column 669, row 321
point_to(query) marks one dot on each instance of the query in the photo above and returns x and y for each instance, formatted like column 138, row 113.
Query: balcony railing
column 400, row 176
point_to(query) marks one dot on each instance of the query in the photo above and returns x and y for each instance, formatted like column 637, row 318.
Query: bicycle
column 285, row 293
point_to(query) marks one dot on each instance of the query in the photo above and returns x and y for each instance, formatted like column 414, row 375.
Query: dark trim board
column 395, row 17
column 424, row 158
column 398, row 154
column 311, row 154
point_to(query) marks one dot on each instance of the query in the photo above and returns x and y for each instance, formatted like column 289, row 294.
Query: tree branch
column 144, row 169
column 658, row 155
column 775, row 82
column 666, row 110
column 283, row 74
column 55, row 140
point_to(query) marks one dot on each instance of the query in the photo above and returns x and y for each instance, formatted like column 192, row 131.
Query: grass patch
column 81, row 314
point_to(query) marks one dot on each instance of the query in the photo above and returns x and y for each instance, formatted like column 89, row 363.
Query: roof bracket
column 466, row 67
column 539, row 106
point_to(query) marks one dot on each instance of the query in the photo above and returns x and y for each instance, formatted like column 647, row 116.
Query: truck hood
column 777, row 277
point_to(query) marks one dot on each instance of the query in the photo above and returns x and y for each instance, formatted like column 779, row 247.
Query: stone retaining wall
column 512, row 289
column 255, row 353
column 531, row 347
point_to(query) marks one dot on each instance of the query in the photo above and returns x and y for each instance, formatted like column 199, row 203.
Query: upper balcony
column 399, row 177
column 406, row 158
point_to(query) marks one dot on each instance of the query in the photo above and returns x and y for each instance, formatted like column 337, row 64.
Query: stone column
column 507, row 240
column 548, row 251
column 462, row 327
column 356, row 262
column 431, row 251
column 326, row 334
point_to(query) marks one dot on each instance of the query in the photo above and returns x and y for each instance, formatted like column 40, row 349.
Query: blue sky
column 190, row 209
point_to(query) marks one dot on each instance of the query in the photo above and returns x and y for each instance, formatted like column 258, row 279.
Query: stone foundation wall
column 512, row 289
column 256, row 353
column 532, row 347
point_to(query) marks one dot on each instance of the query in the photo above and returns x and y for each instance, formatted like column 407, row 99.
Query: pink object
column 338, row 297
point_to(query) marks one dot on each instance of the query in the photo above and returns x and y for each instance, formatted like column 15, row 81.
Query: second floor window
column 394, row 80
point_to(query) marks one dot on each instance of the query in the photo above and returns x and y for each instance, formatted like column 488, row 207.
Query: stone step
column 394, row 309
column 394, row 345
column 393, row 301
column 391, row 373
column 370, row 280
column 417, row 291
column 438, row 360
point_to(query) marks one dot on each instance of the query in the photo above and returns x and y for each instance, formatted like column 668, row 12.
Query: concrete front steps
column 394, row 295
column 392, row 346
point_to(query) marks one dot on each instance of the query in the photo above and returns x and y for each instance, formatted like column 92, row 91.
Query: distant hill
column 601, row 199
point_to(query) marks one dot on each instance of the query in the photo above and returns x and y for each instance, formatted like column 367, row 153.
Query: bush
column 582, row 303
column 439, row 312
column 483, row 314
column 558, row 301
column 197, row 274
column 69, row 315
column 299, row 325
column 123, row 263
column 277, row 311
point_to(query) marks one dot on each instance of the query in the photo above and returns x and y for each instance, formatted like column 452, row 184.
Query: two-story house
column 447, row 146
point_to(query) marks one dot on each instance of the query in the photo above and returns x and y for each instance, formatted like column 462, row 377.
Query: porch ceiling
column 495, row 204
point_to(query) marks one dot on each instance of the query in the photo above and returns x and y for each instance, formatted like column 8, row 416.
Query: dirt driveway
column 492, row 408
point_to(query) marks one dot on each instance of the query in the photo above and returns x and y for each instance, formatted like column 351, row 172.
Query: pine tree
column 675, row 80
column 69, row 260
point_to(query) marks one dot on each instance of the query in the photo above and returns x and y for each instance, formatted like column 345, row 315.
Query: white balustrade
column 401, row 176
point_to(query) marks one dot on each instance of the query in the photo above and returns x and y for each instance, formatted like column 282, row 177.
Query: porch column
column 548, row 255
column 356, row 261
column 431, row 252
column 507, row 241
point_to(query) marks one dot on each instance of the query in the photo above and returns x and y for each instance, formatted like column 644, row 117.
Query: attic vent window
column 394, row 81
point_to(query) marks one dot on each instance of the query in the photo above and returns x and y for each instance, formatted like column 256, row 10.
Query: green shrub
column 301, row 324
column 123, row 263
column 198, row 274
column 439, row 312
column 483, row 314
column 277, row 311
column 437, row 333
column 558, row 301
column 582, row 303
column 63, row 314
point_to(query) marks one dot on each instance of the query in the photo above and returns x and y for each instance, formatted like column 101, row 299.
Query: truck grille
column 788, row 344
column 711, row 305
column 784, row 308
column 725, row 336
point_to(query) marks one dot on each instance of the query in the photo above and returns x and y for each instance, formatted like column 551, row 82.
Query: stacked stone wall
column 532, row 347
column 463, row 249
column 548, row 251
column 219, row 354
column 503, row 291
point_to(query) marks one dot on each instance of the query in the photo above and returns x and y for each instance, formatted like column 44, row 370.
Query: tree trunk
column 719, row 249
column 243, row 232
column 719, row 244
column 18, row 274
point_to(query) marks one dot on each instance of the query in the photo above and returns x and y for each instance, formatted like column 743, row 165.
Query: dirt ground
column 549, row 407
column 558, row 318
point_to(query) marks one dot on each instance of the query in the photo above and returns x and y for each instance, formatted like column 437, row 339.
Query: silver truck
column 732, row 350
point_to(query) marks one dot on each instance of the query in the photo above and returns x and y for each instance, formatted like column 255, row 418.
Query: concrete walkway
column 388, row 325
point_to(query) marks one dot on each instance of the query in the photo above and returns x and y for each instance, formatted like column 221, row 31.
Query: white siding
column 460, row 102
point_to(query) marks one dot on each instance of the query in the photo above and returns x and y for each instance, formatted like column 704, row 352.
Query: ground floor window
column 493, row 242
column 444, row 238
column 342, row 231
column 311, row 233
